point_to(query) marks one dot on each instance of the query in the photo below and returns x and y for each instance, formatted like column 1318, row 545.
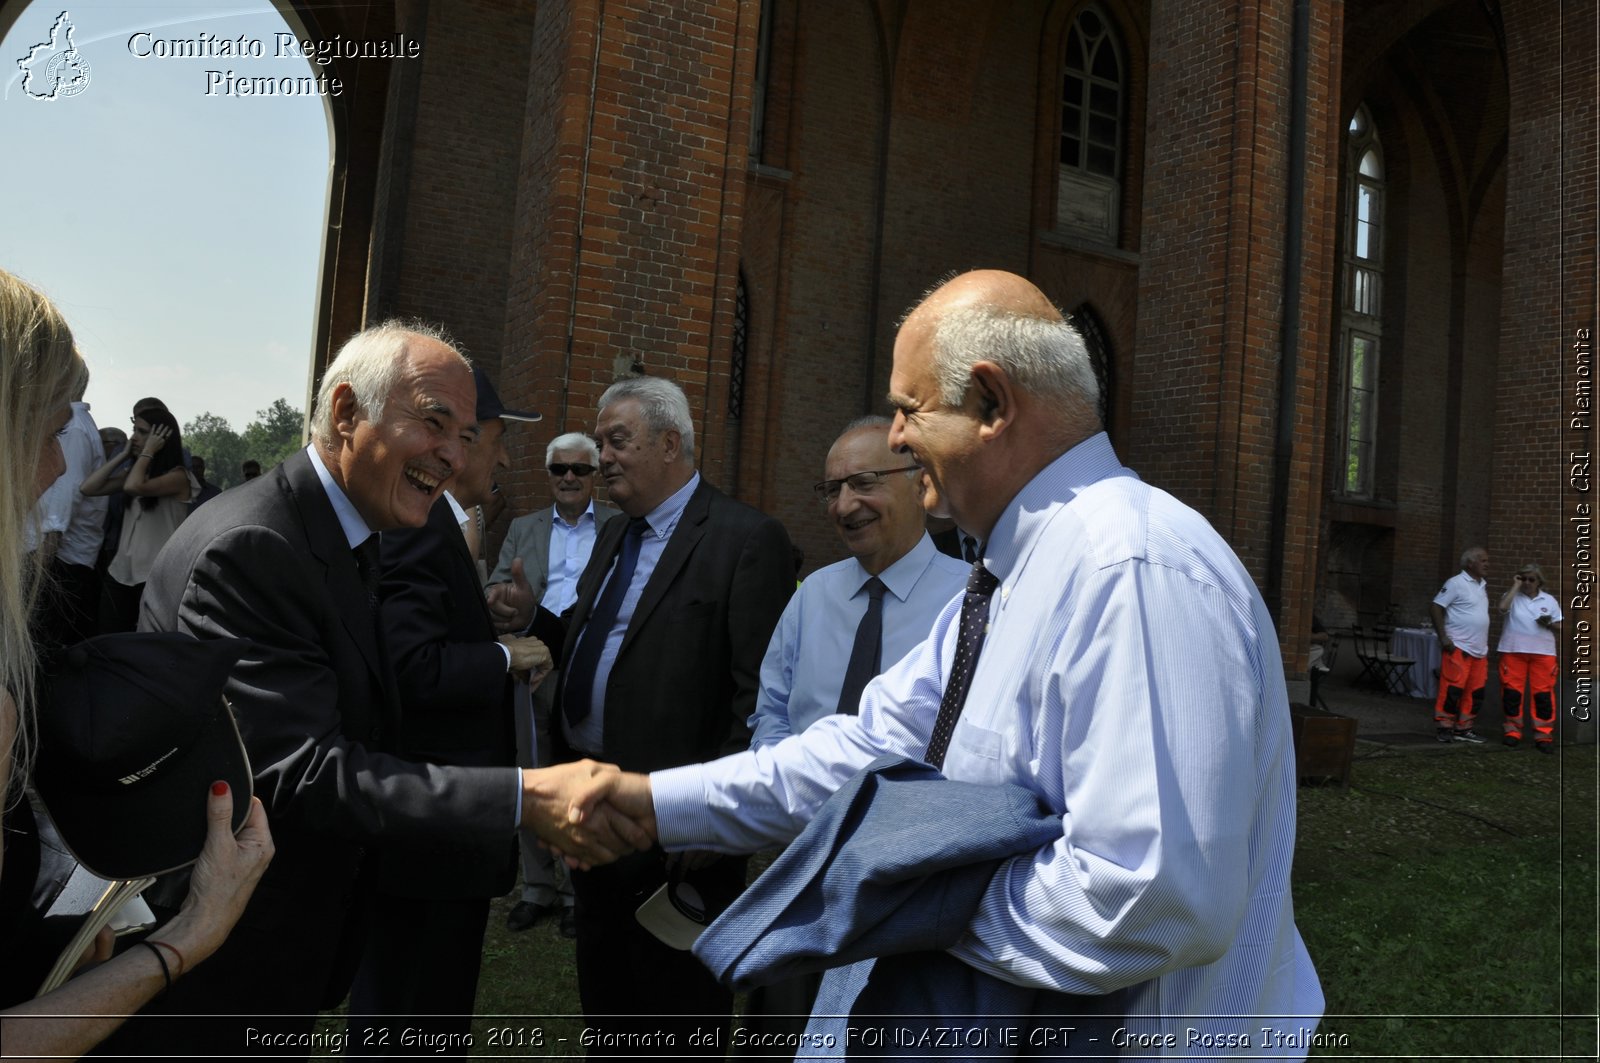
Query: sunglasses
column 561, row 468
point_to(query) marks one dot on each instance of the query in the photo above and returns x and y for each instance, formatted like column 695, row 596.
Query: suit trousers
column 419, row 971
column 544, row 877
column 644, row 998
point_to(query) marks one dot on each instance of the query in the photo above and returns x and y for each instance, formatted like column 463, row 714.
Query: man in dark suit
column 432, row 900
column 289, row 562
column 545, row 552
column 662, row 663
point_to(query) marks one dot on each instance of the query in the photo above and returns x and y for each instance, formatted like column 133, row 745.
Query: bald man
column 1115, row 659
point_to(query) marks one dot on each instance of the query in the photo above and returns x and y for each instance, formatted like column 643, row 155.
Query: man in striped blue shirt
column 1130, row 677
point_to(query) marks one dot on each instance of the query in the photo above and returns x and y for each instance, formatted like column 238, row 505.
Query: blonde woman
column 39, row 372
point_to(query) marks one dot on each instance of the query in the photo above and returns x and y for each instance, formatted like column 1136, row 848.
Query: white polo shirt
column 1465, row 602
column 1522, row 633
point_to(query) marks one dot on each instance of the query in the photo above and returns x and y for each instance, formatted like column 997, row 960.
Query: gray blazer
column 529, row 539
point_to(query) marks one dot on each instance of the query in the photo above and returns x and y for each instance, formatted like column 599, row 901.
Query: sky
column 179, row 233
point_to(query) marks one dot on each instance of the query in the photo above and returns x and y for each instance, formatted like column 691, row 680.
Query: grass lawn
column 1448, row 900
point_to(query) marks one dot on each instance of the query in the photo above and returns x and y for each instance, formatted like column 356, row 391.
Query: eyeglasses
column 561, row 468
column 862, row 483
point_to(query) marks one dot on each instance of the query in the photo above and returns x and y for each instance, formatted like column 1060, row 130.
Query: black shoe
column 569, row 922
column 1468, row 736
column 1445, row 734
column 1511, row 740
column 525, row 914
column 1546, row 747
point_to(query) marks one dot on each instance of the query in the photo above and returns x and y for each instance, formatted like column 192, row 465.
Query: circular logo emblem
column 67, row 74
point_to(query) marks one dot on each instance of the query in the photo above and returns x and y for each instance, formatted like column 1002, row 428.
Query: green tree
column 214, row 439
column 277, row 432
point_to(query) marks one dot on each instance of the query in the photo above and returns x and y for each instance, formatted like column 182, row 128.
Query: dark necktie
column 575, row 702
column 969, row 643
column 969, row 549
column 366, row 553
column 866, row 656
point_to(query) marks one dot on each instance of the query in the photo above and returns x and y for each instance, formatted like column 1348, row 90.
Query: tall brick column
column 1212, row 286
column 630, row 198
column 1546, row 299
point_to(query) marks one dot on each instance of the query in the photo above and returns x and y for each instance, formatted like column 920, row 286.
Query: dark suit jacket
column 455, row 697
column 687, row 673
column 268, row 562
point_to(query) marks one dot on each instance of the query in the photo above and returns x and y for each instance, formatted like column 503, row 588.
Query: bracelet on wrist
column 176, row 955
column 166, row 975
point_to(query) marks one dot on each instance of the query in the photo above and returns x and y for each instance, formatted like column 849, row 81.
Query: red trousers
column 1461, row 679
column 1537, row 671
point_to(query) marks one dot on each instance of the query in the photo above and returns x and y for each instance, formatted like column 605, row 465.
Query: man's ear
column 995, row 397
column 346, row 411
column 671, row 445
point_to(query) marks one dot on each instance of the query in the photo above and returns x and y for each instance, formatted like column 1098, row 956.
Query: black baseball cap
column 133, row 730
column 489, row 404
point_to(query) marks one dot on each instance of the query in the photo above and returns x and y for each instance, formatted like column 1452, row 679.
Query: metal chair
column 1385, row 669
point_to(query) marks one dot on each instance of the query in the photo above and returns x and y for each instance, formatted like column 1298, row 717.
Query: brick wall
column 1549, row 286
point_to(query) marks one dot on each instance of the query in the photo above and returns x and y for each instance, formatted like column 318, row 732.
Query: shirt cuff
column 507, row 651
column 516, row 820
column 683, row 819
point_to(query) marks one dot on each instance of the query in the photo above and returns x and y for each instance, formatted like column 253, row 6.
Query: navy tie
column 969, row 549
column 866, row 656
column 575, row 702
column 969, row 643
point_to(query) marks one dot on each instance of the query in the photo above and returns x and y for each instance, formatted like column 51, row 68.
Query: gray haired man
column 546, row 552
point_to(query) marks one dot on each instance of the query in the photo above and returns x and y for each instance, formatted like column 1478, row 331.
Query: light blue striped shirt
column 570, row 547
column 1131, row 678
column 803, row 671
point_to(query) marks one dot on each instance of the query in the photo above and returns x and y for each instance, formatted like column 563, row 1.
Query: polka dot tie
column 981, row 584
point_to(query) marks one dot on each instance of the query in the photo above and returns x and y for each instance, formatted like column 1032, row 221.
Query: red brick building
column 1334, row 258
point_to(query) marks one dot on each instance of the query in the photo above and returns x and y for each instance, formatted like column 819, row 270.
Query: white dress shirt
column 803, row 671
column 80, row 518
column 1131, row 678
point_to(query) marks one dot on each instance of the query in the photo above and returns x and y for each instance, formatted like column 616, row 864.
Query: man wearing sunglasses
column 546, row 552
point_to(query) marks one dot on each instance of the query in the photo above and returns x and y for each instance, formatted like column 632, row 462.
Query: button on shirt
column 1465, row 602
column 1132, row 679
column 589, row 734
column 804, row 668
column 1522, row 632
column 570, row 547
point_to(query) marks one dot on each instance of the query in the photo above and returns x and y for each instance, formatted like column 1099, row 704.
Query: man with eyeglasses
column 546, row 552
column 1112, row 657
column 848, row 622
column 894, row 581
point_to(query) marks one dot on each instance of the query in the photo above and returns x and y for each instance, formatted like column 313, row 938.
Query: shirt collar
column 900, row 577
column 664, row 518
column 350, row 520
column 455, row 507
column 1036, row 505
column 557, row 518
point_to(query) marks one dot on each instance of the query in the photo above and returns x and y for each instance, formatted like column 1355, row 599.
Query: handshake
column 587, row 812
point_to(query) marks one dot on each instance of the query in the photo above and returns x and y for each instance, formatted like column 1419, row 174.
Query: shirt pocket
column 978, row 741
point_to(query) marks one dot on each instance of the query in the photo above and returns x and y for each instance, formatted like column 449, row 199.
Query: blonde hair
column 40, row 371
